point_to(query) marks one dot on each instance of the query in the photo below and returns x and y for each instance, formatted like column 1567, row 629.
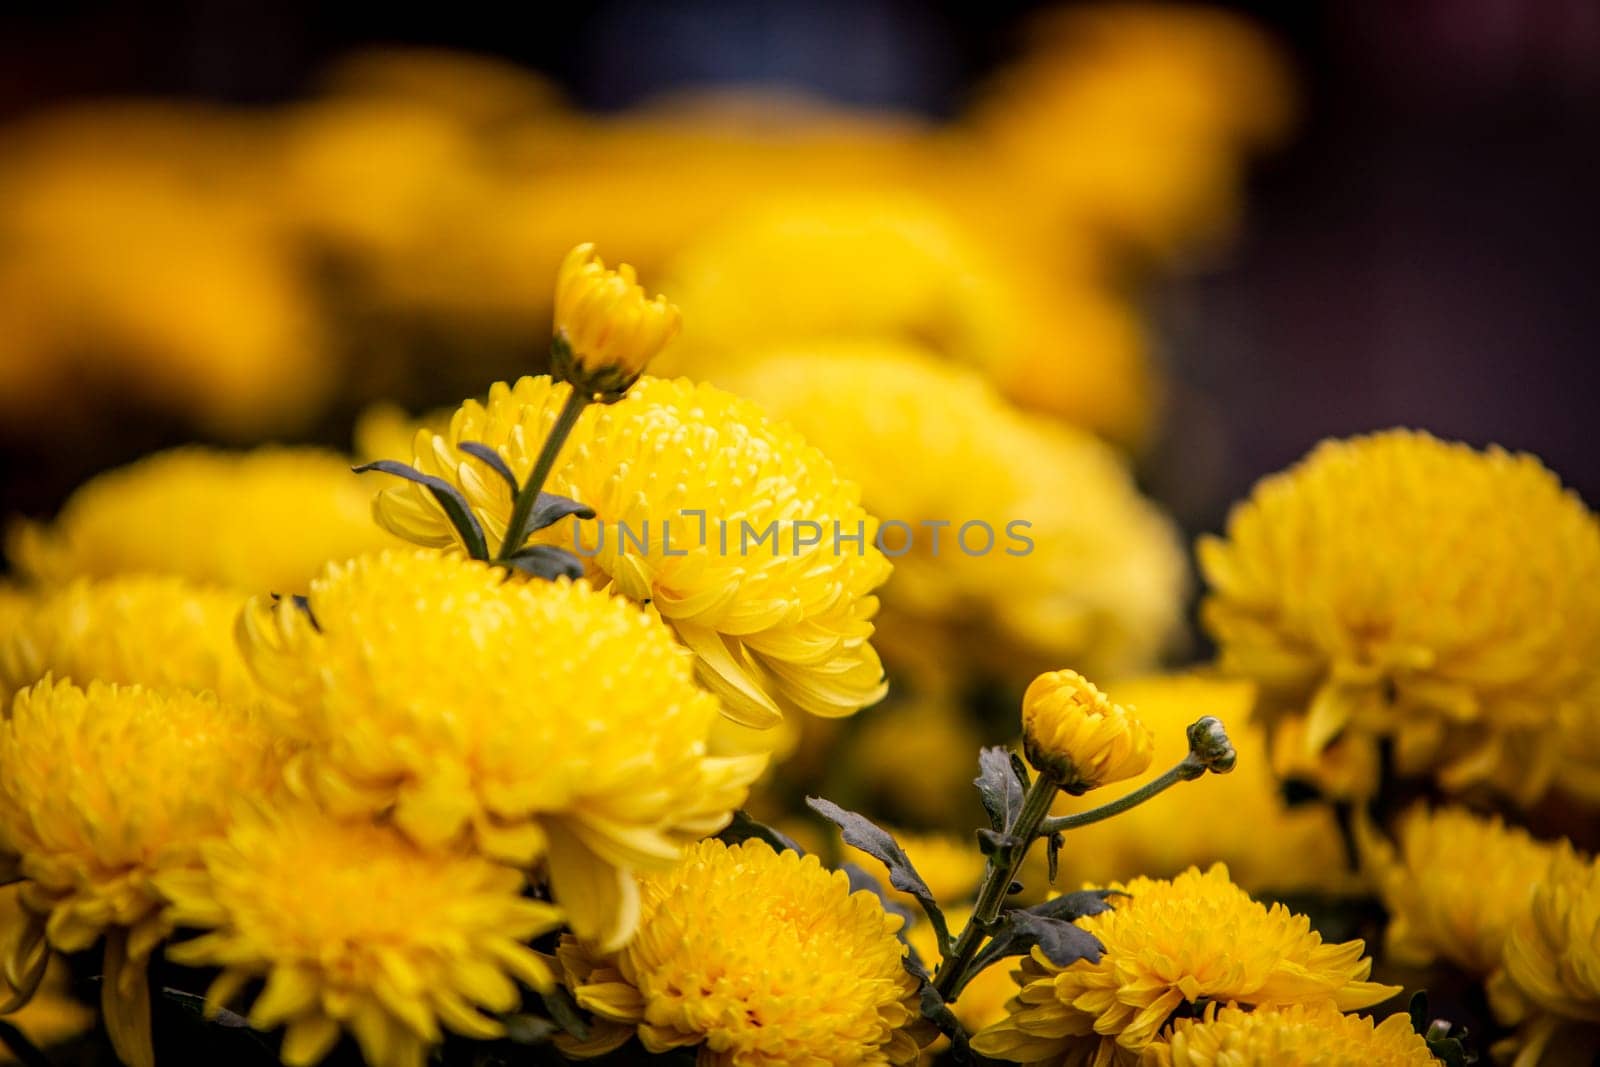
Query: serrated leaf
column 1017, row 932
column 551, row 508
column 546, row 561
column 492, row 458
column 1079, row 905
column 455, row 506
column 875, row 841
column 998, row 787
column 743, row 828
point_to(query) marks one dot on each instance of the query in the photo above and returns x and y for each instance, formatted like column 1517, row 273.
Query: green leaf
column 1077, row 905
column 1018, row 932
column 743, row 828
column 449, row 497
column 564, row 1010
column 546, row 561
column 492, row 459
column 877, row 842
column 998, row 787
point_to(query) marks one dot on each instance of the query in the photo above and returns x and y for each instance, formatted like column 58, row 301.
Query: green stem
column 997, row 881
column 1187, row 770
column 528, row 495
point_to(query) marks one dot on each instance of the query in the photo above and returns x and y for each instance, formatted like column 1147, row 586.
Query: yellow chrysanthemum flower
column 557, row 725
column 951, row 865
column 1073, row 731
column 353, row 925
column 1400, row 586
column 101, row 790
column 760, row 958
column 1238, row 818
column 684, row 479
column 1551, row 981
column 1455, row 886
column 1092, row 573
column 262, row 521
column 1168, row 943
column 1300, row 1035
column 607, row 330
column 147, row 630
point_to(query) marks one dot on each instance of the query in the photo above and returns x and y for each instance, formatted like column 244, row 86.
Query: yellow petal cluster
column 262, row 521
column 1300, row 1035
column 1551, row 981
column 552, row 723
column 1073, row 731
column 1455, row 885
column 759, row 958
column 1398, row 586
column 1170, row 943
column 353, row 926
column 102, row 789
column 607, row 330
column 776, row 623
column 1100, row 579
column 1239, row 818
column 149, row 630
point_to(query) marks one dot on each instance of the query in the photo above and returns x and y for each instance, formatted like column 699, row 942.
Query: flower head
column 102, row 789
column 1168, row 943
column 140, row 629
column 1300, row 1035
column 1551, row 958
column 1455, row 886
column 1400, row 586
column 607, row 330
column 353, row 925
column 262, row 521
column 723, row 520
column 762, row 958
column 1073, row 731
column 554, row 724
column 1100, row 579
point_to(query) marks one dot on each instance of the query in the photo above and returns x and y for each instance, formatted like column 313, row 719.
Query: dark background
column 1421, row 254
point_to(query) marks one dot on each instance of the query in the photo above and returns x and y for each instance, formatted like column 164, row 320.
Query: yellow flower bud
column 1073, row 732
column 606, row 329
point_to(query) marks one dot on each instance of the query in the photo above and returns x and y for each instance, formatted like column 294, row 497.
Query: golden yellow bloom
column 101, row 790
column 1552, row 962
column 555, row 724
column 1238, row 818
column 147, row 630
column 684, row 480
column 1073, row 731
column 353, row 925
column 1168, row 943
column 607, row 330
column 1400, row 586
column 1300, row 1035
column 951, row 865
column 262, row 521
column 1456, row 885
column 1099, row 580
column 761, row 958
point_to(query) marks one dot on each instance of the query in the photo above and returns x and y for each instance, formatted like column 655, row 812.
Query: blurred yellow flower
column 1455, row 886
column 260, row 521
column 914, row 760
column 1082, row 569
column 102, row 789
column 555, row 725
column 757, row 957
column 606, row 329
column 1400, row 586
column 1551, row 981
column 140, row 629
column 1073, row 731
column 726, row 522
column 352, row 925
column 1300, row 1035
column 1168, row 943
column 1238, row 818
